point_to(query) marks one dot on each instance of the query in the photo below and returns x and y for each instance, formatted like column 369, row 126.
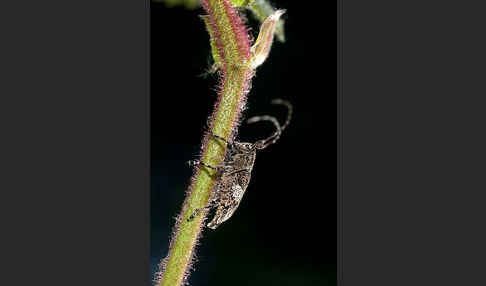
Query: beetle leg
column 197, row 162
column 196, row 211
column 219, row 137
column 222, row 139
column 240, row 170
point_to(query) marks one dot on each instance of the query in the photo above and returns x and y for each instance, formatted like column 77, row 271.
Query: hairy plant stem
column 229, row 40
column 236, row 63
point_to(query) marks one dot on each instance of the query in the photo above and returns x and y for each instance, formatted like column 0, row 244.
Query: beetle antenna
column 274, row 137
column 289, row 106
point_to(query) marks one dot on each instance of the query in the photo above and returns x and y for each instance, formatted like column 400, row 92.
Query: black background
column 284, row 231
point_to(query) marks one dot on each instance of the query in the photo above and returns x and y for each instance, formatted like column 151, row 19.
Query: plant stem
column 229, row 40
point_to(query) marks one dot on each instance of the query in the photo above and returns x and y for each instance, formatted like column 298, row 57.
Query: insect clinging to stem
column 233, row 175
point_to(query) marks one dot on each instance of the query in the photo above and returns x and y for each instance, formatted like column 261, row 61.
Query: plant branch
column 229, row 39
column 236, row 61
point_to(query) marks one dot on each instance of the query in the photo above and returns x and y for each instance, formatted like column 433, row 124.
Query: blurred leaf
column 261, row 9
column 241, row 3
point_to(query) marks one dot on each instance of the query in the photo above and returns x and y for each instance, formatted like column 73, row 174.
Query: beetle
column 234, row 174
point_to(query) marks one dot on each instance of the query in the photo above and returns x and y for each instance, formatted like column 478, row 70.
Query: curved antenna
column 272, row 139
column 261, row 144
column 279, row 101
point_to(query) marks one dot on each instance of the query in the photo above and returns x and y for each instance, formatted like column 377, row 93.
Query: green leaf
column 241, row 3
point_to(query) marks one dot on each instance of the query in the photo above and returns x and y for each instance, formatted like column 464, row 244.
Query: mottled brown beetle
column 235, row 171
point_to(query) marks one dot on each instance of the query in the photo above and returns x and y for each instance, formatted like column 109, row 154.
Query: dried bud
column 260, row 50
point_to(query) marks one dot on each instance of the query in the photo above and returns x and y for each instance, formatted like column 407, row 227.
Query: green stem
column 230, row 41
column 236, row 62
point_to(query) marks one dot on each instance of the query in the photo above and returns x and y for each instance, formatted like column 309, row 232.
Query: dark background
column 284, row 232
